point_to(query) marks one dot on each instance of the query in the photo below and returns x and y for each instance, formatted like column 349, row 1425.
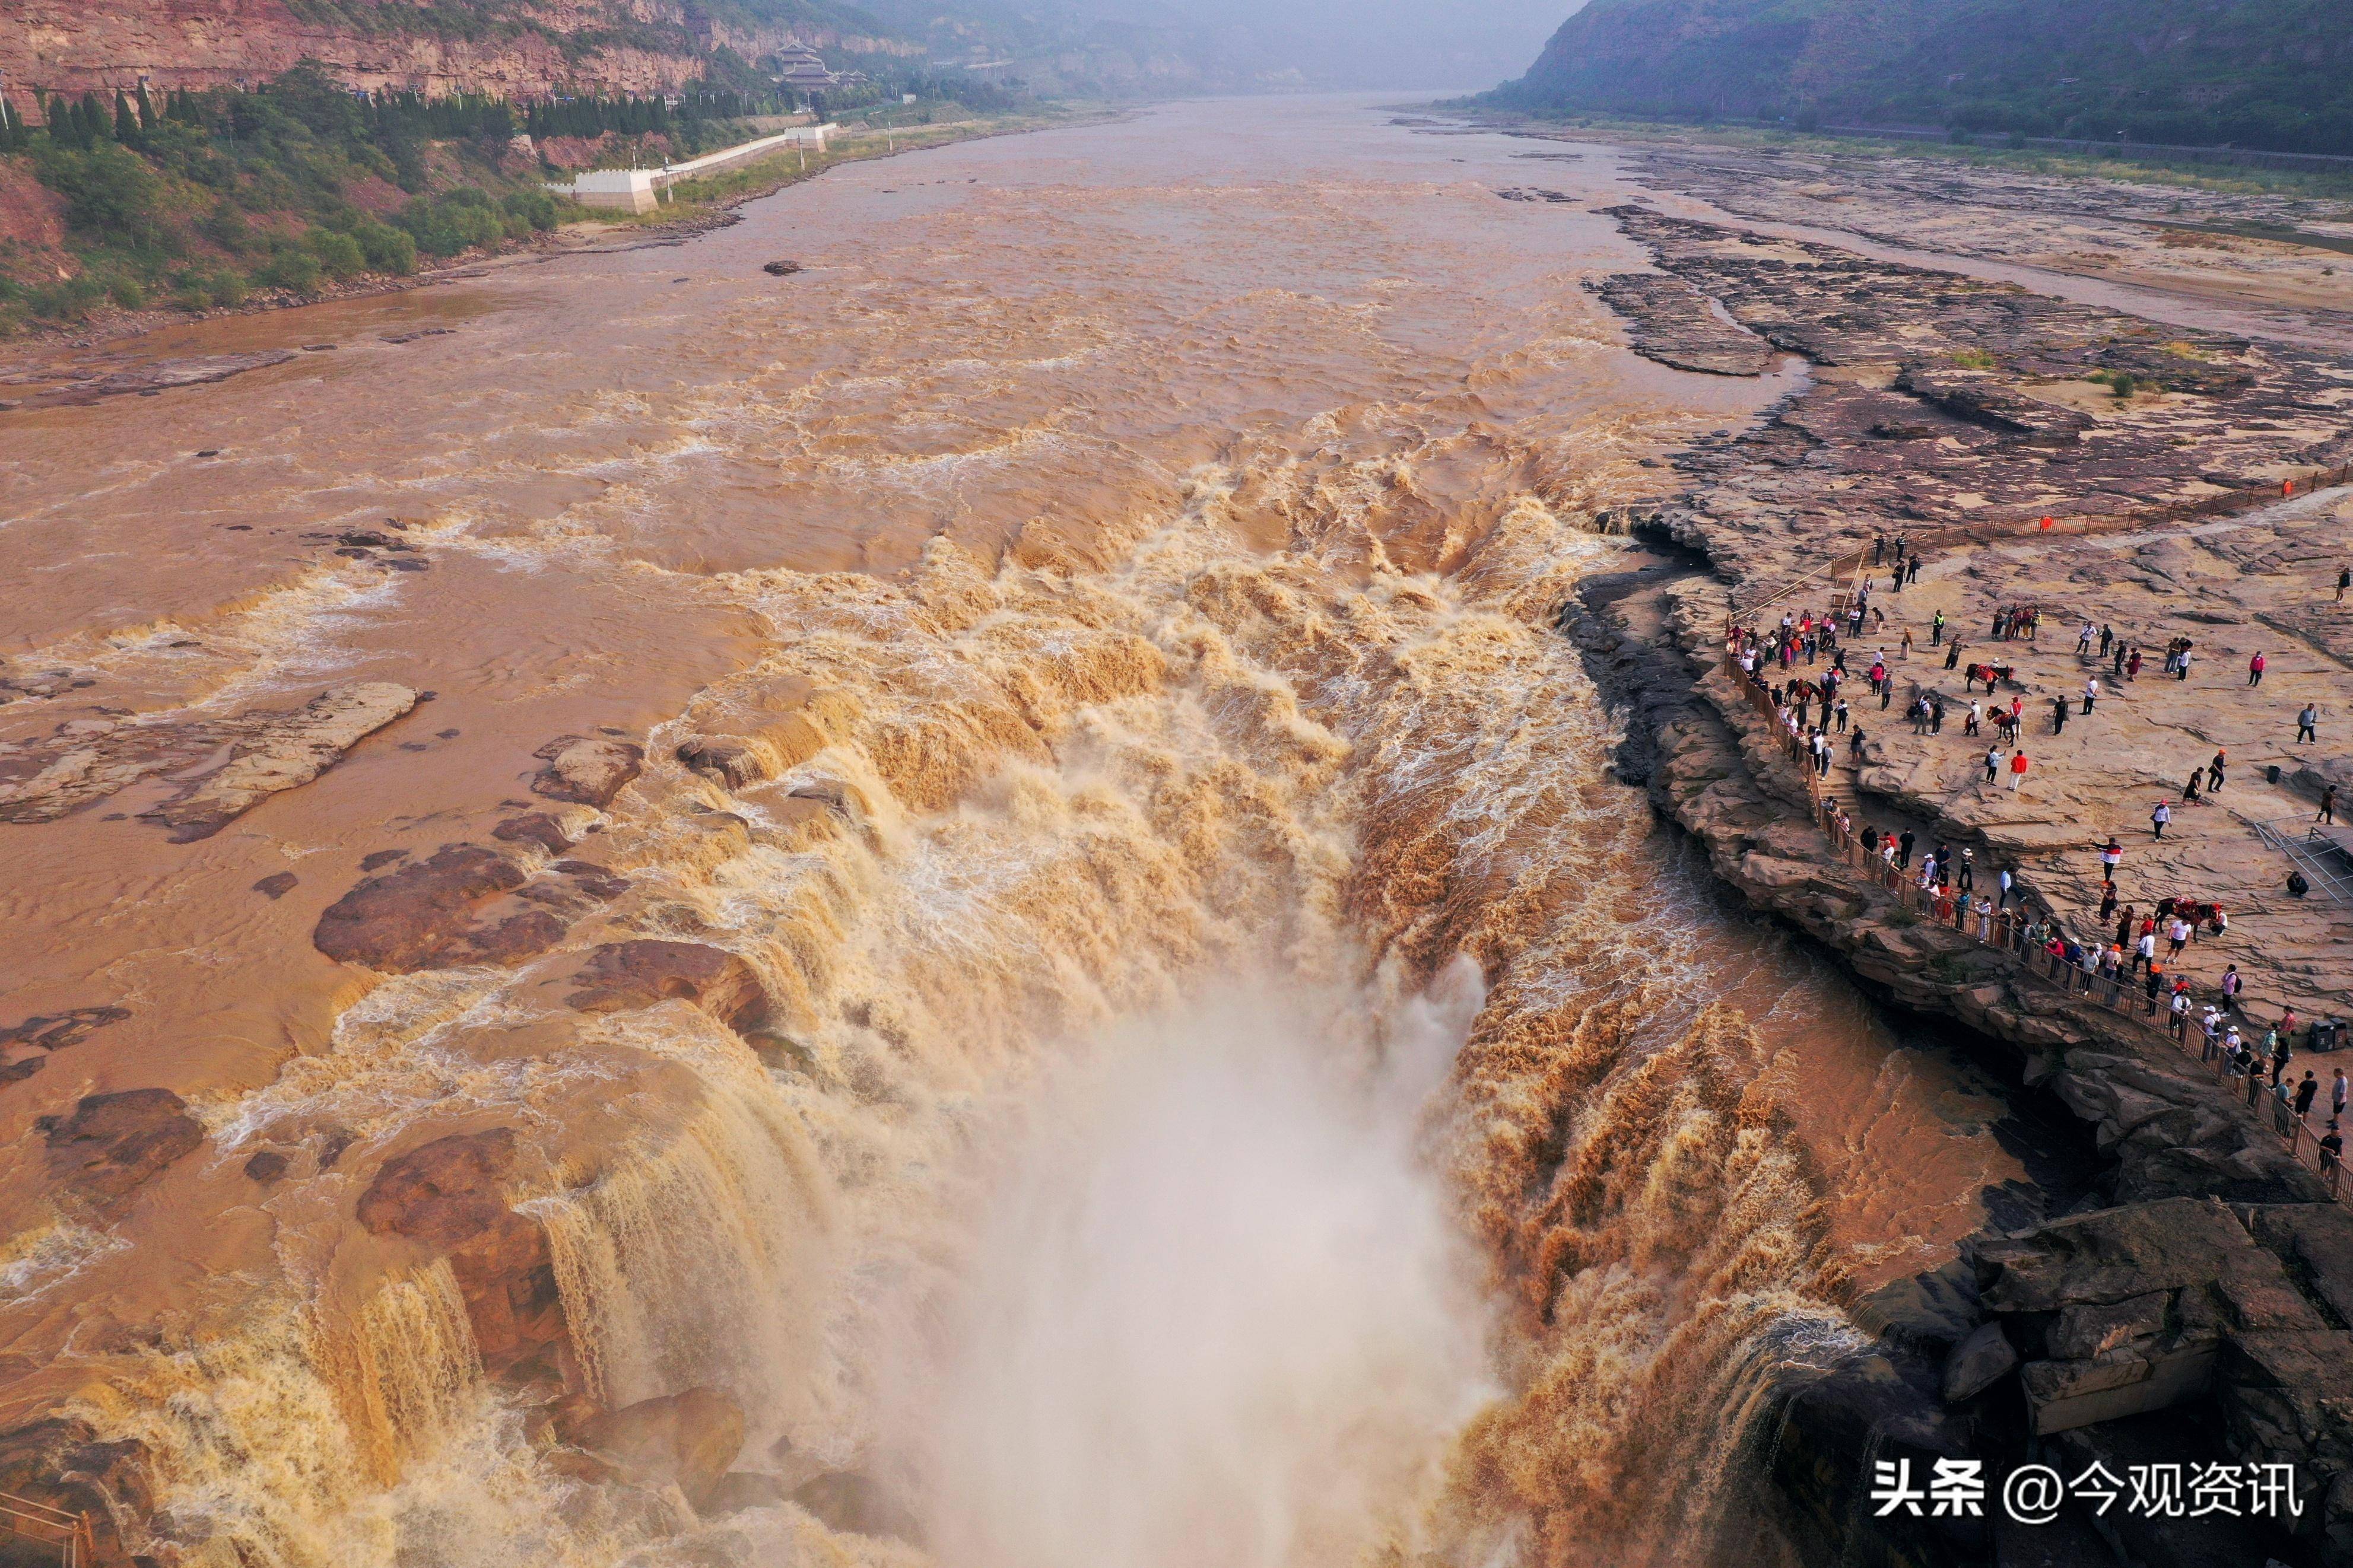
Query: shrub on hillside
column 226, row 227
column 339, row 254
column 292, row 268
column 109, row 192
column 68, row 299
column 446, row 225
column 386, row 249
column 199, row 289
column 536, row 208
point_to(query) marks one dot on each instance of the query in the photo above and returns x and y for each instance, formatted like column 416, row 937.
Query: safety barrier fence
column 38, row 1522
column 2143, row 995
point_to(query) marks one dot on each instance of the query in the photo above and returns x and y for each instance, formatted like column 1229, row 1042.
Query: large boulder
column 1977, row 1362
column 586, row 770
column 465, row 904
column 638, row 973
column 847, row 1501
column 407, row 919
column 1831, row 1429
column 2131, row 1308
column 685, row 1439
column 451, row 1196
column 112, row 1143
column 768, row 746
column 2112, row 1255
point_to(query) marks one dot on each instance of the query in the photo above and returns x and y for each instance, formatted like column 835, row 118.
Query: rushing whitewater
column 1243, row 1086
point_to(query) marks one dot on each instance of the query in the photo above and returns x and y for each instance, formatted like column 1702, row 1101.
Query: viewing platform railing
column 2007, row 931
column 25, row 1519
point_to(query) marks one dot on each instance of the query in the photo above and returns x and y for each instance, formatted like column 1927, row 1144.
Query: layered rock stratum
column 1953, row 413
column 526, row 51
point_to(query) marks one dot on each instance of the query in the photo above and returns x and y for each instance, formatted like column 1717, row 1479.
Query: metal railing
column 37, row 1521
column 2326, row 858
column 2149, row 1005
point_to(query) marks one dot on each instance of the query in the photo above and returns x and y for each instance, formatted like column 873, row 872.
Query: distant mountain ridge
column 2258, row 73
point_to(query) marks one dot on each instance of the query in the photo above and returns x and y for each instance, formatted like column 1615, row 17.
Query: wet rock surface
column 61, row 1463
column 25, row 1046
column 639, row 973
column 112, row 1144
column 847, row 1501
column 686, row 1439
column 590, row 771
column 225, row 767
column 147, row 377
column 450, row 1196
column 1675, row 324
column 2206, row 1278
column 466, row 903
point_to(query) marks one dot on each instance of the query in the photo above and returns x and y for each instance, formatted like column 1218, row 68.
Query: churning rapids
column 1244, row 1087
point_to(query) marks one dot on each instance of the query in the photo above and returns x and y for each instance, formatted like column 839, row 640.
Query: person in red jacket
column 2255, row 670
column 2017, row 770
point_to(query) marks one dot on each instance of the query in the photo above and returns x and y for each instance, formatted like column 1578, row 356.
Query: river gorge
column 974, row 875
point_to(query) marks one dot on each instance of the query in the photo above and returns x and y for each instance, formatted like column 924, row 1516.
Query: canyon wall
column 523, row 51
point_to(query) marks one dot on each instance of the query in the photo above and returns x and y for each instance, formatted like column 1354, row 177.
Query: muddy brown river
column 1240, row 1084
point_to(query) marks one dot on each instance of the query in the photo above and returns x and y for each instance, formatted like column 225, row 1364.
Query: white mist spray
column 1215, row 1314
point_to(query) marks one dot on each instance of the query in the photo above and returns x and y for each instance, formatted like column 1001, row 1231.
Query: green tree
column 109, row 192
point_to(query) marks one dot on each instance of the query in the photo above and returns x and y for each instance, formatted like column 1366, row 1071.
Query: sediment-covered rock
column 464, row 904
column 25, row 1046
column 588, row 769
column 282, row 755
column 258, row 753
column 641, row 973
column 114, row 1143
column 538, row 827
column 1675, row 324
column 451, row 1196
column 685, row 1439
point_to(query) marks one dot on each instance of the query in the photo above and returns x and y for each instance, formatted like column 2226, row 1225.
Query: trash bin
column 2271, row 774
column 2327, row 1033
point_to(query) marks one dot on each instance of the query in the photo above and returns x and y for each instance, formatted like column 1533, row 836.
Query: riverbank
column 2214, row 1270
column 43, row 356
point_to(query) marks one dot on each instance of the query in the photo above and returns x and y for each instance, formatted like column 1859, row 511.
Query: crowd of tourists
column 1801, row 668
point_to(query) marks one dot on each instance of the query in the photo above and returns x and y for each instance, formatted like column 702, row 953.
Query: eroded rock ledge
column 2209, row 1277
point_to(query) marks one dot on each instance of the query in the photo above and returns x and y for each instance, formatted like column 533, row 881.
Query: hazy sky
column 1432, row 44
column 1466, row 44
